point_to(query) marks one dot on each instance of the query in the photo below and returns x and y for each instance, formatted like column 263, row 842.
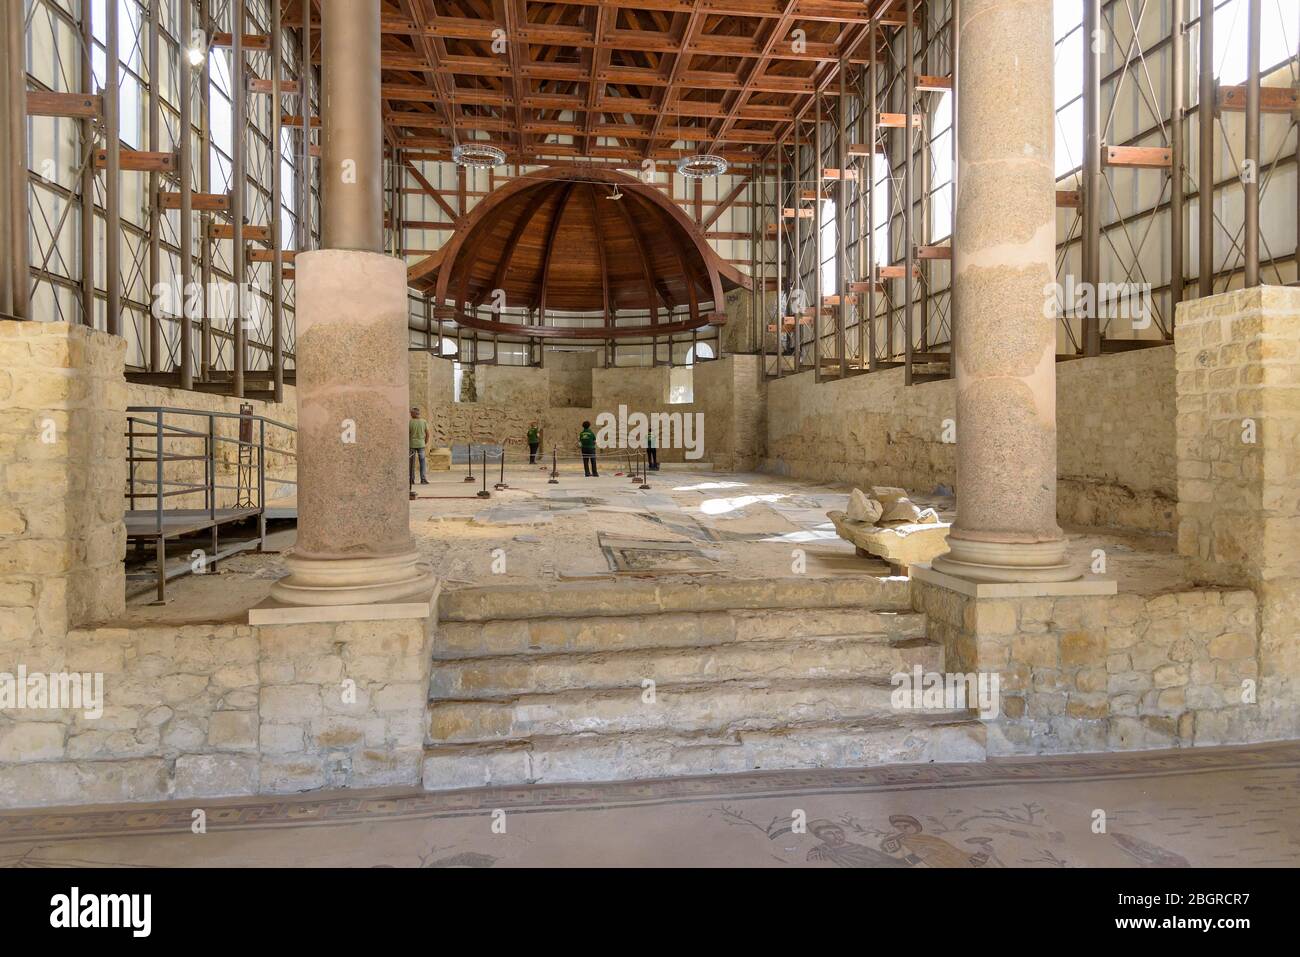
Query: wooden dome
column 574, row 261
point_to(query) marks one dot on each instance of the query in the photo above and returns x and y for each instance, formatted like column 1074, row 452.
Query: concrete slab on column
column 973, row 589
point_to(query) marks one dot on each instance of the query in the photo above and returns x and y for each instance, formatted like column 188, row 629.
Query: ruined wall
column 569, row 378
column 1107, row 672
column 1115, row 436
column 224, row 709
column 62, row 470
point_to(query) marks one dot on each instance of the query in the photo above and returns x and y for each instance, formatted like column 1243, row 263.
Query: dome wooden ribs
column 571, row 261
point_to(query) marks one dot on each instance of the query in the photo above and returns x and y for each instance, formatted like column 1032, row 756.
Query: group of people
column 419, row 444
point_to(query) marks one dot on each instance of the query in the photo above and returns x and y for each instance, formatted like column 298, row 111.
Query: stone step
column 831, row 657
column 752, row 705
column 605, row 598
column 910, row 739
column 604, row 633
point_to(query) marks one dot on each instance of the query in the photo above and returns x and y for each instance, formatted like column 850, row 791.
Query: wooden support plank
column 287, row 274
column 77, row 105
column 200, row 202
column 802, row 213
column 934, row 252
column 1068, row 199
column 140, row 161
column 839, row 174
column 864, row 149
column 295, row 119
column 1137, row 157
column 933, row 84
column 865, row 286
column 1272, row 99
column 897, row 271
column 258, row 85
column 252, row 41
column 257, row 234
column 268, row 255
column 898, row 120
column 809, row 195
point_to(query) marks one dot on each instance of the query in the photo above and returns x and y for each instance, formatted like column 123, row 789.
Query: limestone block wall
column 1238, row 441
column 62, row 470
column 1108, row 672
column 569, row 378
column 728, row 393
column 1115, row 436
column 224, row 709
column 281, row 443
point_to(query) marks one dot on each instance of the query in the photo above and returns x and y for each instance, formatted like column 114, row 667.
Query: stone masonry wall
column 62, row 470
column 224, row 709
column 1238, row 427
column 1115, row 438
column 1107, row 672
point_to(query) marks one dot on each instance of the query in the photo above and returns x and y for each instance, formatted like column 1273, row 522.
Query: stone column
column 354, row 543
column 1004, row 268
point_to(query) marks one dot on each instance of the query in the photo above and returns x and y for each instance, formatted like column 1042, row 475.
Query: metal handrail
column 157, row 431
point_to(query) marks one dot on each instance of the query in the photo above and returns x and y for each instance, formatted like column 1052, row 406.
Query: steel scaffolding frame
column 912, row 328
column 133, row 268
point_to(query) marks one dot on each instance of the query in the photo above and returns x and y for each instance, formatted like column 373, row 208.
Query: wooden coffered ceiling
column 612, row 80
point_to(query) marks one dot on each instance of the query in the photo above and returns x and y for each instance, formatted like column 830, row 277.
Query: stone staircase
column 552, row 684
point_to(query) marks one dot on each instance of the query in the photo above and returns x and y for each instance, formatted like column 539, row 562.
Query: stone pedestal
column 1238, row 439
column 354, row 540
column 1004, row 258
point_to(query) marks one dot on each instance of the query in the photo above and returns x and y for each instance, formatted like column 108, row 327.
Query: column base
column 1007, row 561
column 353, row 581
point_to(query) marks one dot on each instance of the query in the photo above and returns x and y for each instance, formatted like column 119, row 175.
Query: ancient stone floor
column 688, row 524
column 1203, row 807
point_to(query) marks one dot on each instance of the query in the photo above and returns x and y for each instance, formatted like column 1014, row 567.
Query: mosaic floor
column 1208, row 807
column 693, row 523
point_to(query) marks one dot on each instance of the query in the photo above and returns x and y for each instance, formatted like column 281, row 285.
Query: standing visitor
column 419, row 433
column 534, row 443
column 587, row 442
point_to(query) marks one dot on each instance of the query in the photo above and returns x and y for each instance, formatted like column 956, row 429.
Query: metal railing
column 170, row 460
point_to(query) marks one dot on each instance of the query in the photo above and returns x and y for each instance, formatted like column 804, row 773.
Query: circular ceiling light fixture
column 477, row 155
column 702, row 166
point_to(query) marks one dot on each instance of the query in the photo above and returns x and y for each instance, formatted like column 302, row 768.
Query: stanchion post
column 502, row 484
column 645, row 472
column 484, row 493
column 469, row 459
column 555, row 468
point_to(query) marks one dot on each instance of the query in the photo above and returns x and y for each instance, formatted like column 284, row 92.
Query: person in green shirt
column 419, row 433
column 534, row 443
column 587, row 442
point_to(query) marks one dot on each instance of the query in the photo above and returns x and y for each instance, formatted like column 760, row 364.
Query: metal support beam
column 1177, row 143
column 155, row 181
column 112, row 171
column 88, row 170
column 909, row 161
column 873, row 79
column 238, row 188
column 841, row 220
column 1091, row 186
column 186, row 84
column 15, row 291
column 1250, row 165
column 277, row 238
column 1205, row 114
